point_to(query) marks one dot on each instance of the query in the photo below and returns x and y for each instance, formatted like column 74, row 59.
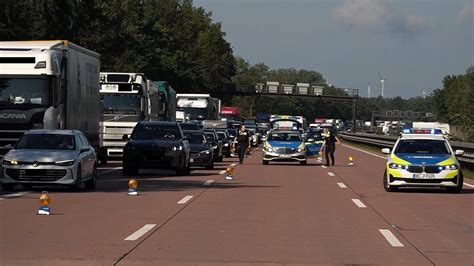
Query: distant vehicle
column 420, row 158
column 156, row 145
column 234, row 124
column 199, row 106
column 50, row 157
column 201, row 149
column 232, row 133
column 48, row 85
column 189, row 126
column 263, row 118
column 217, row 144
column 284, row 146
column 226, row 141
column 313, row 143
column 254, row 136
column 230, row 113
column 214, row 124
column 250, row 122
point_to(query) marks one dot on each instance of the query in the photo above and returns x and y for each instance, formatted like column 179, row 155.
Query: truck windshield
column 196, row 113
column 121, row 103
column 16, row 91
column 46, row 142
column 422, row 146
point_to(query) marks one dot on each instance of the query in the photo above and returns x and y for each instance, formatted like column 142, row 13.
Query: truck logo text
column 12, row 116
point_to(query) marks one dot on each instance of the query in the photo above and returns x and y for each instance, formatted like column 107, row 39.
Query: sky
column 413, row 44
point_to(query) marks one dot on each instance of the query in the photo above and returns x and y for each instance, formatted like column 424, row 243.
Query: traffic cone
column 132, row 187
column 44, row 201
column 320, row 156
column 351, row 161
column 229, row 173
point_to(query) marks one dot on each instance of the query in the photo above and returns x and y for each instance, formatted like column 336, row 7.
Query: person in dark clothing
column 243, row 140
column 329, row 145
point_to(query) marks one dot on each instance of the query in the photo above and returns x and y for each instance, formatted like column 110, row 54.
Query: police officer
column 329, row 145
column 243, row 142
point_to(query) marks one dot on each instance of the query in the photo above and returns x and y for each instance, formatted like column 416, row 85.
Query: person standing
column 329, row 145
column 243, row 141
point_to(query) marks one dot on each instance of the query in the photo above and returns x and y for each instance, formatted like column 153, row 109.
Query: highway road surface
column 271, row 215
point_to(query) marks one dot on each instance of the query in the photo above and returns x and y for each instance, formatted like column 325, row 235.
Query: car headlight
column 301, row 150
column 397, row 166
column 449, row 167
column 269, row 149
column 205, row 152
column 214, row 147
column 177, row 148
column 65, row 163
column 9, row 162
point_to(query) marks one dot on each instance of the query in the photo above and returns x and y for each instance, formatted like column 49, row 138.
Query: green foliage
column 167, row 39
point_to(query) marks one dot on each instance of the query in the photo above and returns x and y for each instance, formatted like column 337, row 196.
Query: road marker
column 324, row 166
column 229, row 173
column 222, row 172
column 359, row 203
column 341, row 185
column 233, row 165
column 185, row 199
column 394, row 242
column 44, row 201
column 208, row 182
column 106, row 170
column 132, row 187
column 140, row 232
column 331, row 174
column 469, row 185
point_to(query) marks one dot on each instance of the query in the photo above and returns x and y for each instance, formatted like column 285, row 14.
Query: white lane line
column 15, row 194
column 394, row 242
column 331, row 174
column 140, row 232
column 109, row 170
column 341, row 185
column 185, row 199
column 359, row 203
column 222, row 172
column 324, row 166
column 233, row 165
column 469, row 185
column 208, row 182
column 1, row 198
column 371, row 153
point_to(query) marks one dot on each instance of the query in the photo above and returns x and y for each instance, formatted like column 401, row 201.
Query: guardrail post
column 354, row 104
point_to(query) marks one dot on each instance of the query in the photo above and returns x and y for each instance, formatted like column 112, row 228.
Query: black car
column 202, row 153
column 156, row 145
column 189, row 126
column 216, row 144
column 232, row 133
column 226, row 141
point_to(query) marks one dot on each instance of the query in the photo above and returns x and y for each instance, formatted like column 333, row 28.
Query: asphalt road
column 275, row 214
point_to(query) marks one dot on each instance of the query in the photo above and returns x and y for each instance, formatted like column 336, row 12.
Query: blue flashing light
column 432, row 131
column 406, row 131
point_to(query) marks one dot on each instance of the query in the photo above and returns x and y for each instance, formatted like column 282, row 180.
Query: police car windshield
column 284, row 136
column 422, row 146
column 315, row 135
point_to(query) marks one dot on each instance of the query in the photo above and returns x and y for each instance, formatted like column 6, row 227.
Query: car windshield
column 121, row 103
column 221, row 135
column 46, row 142
column 24, row 91
column 196, row 137
column 195, row 113
column 422, row 146
column 210, row 135
column 156, row 132
column 315, row 136
column 189, row 126
column 284, row 136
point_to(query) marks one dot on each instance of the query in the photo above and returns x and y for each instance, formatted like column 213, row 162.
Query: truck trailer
column 199, row 106
column 48, row 85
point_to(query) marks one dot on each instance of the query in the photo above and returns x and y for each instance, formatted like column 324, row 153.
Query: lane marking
column 109, row 170
column 13, row 195
column 185, row 199
column 371, row 153
column 359, row 203
column 469, row 185
column 233, row 165
column 222, row 172
column 341, row 185
column 208, row 182
column 140, row 232
column 331, row 174
column 394, row 242
column 324, row 166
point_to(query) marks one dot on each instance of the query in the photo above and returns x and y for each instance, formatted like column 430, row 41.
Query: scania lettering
column 47, row 85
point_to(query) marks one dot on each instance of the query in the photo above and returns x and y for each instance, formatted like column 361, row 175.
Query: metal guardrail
column 389, row 141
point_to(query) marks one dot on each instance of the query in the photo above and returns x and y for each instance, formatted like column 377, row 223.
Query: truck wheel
column 8, row 187
column 91, row 183
column 458, row 187
column 386, row 184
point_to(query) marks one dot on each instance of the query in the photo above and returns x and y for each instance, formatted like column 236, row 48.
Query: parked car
column 202, row 153
column 50, row 157
column 216, row 144
column 226, row 141
column 156, row 145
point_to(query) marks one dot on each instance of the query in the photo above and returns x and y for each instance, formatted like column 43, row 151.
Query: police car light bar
column 433, row 131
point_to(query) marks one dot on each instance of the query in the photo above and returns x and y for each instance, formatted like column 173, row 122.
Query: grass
column 468, row 173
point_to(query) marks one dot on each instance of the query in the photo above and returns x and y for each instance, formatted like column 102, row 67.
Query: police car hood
column 284, row 144
column 423, row 158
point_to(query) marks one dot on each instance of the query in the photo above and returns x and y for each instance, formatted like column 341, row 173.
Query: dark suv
column 156, row 145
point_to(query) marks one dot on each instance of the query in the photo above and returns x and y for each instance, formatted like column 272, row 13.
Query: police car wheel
column 264, row 162
column 458, row 187
column 305, row 162
column 386, row 184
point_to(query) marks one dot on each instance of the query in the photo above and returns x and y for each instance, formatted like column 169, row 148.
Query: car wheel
column 305, row 162
column 265, row 162
column 8, row 187
column 91, row 183
column 79, row 185
column 210, row 166
column 386, row 184
column 458, row 187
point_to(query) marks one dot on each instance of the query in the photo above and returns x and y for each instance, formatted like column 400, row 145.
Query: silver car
column 50, row 157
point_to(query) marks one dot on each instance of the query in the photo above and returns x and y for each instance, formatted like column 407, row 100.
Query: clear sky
column 412, row 43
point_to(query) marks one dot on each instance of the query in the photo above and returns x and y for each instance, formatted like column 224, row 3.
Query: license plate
column 285, row 156
column 423, row 176
column 191, row 160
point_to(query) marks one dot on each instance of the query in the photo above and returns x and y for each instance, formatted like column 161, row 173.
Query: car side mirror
column 85, row 149
column 386, row 151
column 187, row 138
column 459, row 152
column 125, row 137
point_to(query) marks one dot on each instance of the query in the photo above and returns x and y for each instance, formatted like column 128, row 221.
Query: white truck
column 126, row 100
column 199, row 106
column 48, row 85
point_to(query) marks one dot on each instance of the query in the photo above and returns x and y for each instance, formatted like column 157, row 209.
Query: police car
column 284, row 146
column 422, row 157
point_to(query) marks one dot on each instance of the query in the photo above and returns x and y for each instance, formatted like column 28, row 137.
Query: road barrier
column 388, row 141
